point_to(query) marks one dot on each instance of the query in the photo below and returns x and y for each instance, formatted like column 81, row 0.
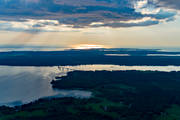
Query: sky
column 97, row 23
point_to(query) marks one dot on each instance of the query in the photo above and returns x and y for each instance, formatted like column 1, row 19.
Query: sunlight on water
column 117, row 55
column 163, row 55
column 118, row 67
column 20, row 85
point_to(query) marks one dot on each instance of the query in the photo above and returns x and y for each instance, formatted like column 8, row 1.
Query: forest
column 89, row 56
column 117, row 95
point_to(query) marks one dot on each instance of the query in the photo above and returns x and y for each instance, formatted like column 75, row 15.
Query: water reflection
column 117, row 67
column 117, row 54
column 20, row 85
column 163, row 55
column 24, row 84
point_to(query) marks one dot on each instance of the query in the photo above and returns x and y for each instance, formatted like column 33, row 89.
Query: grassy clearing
column 172, row 113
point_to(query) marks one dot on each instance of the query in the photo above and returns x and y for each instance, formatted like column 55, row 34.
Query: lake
column 19, row 85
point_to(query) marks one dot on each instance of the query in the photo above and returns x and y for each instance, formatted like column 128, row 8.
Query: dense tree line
column 117, row 95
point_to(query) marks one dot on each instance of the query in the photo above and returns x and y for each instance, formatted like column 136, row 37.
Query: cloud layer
column 60, row 15
column 173, row 4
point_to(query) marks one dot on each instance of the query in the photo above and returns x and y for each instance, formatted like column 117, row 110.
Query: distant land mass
column 116, row 56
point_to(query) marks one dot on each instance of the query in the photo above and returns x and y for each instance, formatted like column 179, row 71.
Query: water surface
column 19, row 85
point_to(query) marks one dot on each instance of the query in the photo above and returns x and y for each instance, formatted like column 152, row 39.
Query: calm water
column 20, row 85
column 118, row 67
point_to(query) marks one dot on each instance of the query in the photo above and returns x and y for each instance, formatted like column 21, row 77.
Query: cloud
column 147, row 21
column 68, row 15
column 173, row 4
column 35, row 26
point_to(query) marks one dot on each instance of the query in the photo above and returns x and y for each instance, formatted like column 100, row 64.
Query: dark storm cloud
column 174, row 4
column 69, row 11
column 80, row 13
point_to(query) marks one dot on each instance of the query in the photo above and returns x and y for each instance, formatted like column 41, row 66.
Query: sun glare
column 88, row 46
